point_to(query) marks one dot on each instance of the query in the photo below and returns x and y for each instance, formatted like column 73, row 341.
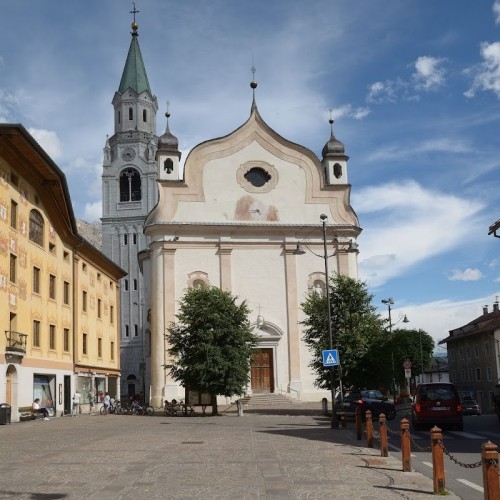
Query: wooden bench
column 27, row 413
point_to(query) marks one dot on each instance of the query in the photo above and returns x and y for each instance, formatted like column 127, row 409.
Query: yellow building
column 59, row 295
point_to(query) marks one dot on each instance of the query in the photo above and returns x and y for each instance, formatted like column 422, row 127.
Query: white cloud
column 439, row 317
column 429, row 74
column 466, row 275
column 388, row 91
column 406, row 224
column 348, row 111
column 93, row 211
column 487, row 74
column 496, row 11
column 48, row 140
column 442, row 145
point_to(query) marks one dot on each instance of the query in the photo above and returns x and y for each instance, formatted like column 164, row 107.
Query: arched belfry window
column 36, row 227
column 337, row 170
column 144, row 115
column 130, row 185
column 130, row 114
column 168, row 165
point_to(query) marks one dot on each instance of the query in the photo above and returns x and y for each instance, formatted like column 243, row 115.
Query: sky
column 414, row 89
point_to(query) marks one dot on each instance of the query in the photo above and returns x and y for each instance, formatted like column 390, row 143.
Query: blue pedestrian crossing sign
column 330, row 358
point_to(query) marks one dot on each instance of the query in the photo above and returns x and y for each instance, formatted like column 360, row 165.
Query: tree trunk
column 214, row 405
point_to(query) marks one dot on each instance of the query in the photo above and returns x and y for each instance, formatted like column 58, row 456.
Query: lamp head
column 405, row 319
column 299, row 250
column 323, row 217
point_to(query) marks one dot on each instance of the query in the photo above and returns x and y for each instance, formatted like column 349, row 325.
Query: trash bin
column 5, row 411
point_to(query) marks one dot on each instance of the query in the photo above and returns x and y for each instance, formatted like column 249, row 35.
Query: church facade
column 233, row 217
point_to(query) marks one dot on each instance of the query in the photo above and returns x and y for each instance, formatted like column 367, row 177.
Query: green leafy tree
column 355, row 327
column 406, row 345
column 211, row 343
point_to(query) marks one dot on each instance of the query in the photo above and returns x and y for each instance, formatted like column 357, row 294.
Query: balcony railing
column 16, row 342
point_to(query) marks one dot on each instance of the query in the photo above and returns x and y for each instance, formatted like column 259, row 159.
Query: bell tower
column 129, row 192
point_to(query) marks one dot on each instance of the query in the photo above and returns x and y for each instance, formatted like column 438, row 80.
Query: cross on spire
column 135, row 11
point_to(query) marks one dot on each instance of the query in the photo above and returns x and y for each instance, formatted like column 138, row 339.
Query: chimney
column 485, row 309
column 495, row 307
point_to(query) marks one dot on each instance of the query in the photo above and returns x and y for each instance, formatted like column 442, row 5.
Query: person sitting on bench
column 38, row 409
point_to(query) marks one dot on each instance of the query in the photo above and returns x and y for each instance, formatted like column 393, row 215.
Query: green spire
column 134, row 74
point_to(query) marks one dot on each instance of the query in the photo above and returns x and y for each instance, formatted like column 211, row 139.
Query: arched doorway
column 264, row 362
column 131, row 385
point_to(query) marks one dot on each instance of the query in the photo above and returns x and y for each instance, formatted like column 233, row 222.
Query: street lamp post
column 300, row 251
column 421, row 358
column 389, row 302
column 334, row 422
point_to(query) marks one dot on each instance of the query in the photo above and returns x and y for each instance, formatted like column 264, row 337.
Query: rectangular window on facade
column 111, row 314
column 99, row 305
column 66, row 340
column 125, row 283
column 135, row 239
column 135, row 284
column 112, row 347
column 489, row 375
column 66, row 293
column 52, row 286
column 478, row 374
column 470, row 374
column 36, row 280
column 476, row 351
column 462, row 374
column 127, row 333
column 125, row 239
column 84, row 344
column 13, row 214
column 13, row 268
column 486, row 349
column 52, row 337
column 99, row 348
column 36, row 333
column 136, row 330
column 84, row 301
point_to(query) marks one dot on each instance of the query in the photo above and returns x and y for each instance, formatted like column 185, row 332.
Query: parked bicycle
column 115, row 408
column 174, row 409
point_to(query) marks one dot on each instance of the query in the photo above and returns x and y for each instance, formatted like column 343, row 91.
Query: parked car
column 438, row 404
column 368, row 399
column 470, row 406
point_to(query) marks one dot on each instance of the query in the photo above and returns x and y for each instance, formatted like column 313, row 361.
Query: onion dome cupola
column 168, row 155
column 334, row 159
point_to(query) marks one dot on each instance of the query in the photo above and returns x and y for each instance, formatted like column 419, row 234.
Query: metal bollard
column 438, row 460
column 382, row 428
column 324, row 406
column 240, row 407
column 491, row 481
column 358, row 423
column 405, row 445
column 369, row 429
